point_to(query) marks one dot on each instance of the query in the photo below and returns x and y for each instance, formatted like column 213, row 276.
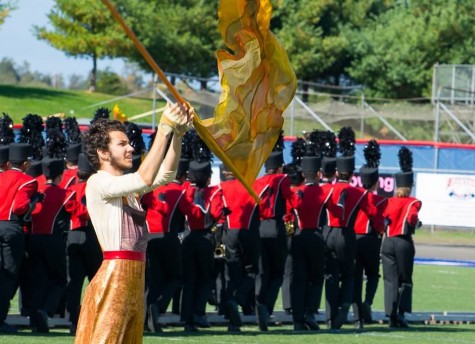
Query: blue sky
column 18, row 43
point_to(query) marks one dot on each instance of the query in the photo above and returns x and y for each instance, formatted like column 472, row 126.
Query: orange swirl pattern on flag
column 257, row 83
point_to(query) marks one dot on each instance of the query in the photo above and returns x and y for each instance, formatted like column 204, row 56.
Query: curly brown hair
column 97, row 137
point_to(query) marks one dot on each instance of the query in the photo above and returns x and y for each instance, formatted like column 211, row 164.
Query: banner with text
column 447, row 199
column 385, row 187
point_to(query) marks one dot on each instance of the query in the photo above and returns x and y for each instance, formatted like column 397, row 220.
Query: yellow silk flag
column 257, row 83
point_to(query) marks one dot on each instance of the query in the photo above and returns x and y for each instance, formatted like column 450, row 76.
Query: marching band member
column 397, row 250
column 241, row 242
column 16, row 192
column 113, row 305
column 198, row 245
column 368, row 240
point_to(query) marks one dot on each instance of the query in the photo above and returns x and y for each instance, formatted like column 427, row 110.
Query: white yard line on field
column 422, row 335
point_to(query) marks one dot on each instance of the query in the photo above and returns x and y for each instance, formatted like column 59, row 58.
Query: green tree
column 8, row 72
column 84, row 29
column 317, row 34
column 395, row 53
column 5, row 8
column 110, row 83
column 181, row 35
column 77, row 82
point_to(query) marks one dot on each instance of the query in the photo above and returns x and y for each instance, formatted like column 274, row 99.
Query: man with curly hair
column 112, row 310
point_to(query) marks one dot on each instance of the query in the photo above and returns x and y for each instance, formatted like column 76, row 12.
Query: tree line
column 388, row 47
column 107, row 81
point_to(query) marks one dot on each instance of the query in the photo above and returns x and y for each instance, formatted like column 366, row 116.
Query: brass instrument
column 220, row 251
column 289, row 228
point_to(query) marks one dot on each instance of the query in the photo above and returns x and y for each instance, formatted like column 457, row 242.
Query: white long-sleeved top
column 104, row 193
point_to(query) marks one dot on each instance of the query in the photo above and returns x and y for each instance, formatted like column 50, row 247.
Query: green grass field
column 436, row 289
column 18, row 101
column 374, row 334
column 446, row 236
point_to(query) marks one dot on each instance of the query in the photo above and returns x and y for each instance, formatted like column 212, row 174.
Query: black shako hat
column 275, row 160
column 186, row 152
column 35, row 169
column 52, row 167
column 369, row 175
column 328, row 165
column 20, row 152
column 199, row 171
column 345, row 164
column 183, row 166
column 84, row 164
column 3, row 154
column 196, row 167
column 311, row 163
column 294, row 172
column 72, row 152
column 405, row 178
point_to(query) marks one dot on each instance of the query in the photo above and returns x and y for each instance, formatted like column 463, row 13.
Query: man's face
column 120, row 151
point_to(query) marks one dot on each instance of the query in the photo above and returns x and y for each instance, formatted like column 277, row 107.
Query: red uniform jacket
column 80, row 195
column 313, row 202
column 54, row 213
column 209, row 202
column 274, row 191
column 402, row 213
column 241, row 204
column 363, row 225
column 16, row 190
column 167, row 207
column 354, row 200
column 41, row 179
column 70, row 177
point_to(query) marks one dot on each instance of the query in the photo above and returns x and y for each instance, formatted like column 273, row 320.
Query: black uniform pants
column 287, row 281
column 219, row 288
column 24, row 280
column 198, row 266
column 308, row 273
column 397, row 256
column 47, row 255
column 242, row 263
column 340, row 250
column 12, row 249
column 84, row 256
column 368, row 250
column 165, row 270
column 271, row 262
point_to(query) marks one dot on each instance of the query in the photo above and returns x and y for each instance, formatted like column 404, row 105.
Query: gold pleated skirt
column 112, row 311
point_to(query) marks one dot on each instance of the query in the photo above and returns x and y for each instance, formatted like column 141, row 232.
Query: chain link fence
column 330, row 108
